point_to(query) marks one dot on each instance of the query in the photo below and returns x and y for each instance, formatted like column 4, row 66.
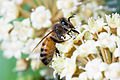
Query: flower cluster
column 19, row 37
column 92, row 54
column 95, row 54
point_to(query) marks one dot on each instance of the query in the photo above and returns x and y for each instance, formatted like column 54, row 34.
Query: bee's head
column 63, row 27
column 66, row 24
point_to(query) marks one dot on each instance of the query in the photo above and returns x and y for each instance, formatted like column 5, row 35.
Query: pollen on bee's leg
column 57, row 51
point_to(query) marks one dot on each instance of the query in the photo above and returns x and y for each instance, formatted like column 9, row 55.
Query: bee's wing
column 36, row 50
column 37, row 46
column 35, row 53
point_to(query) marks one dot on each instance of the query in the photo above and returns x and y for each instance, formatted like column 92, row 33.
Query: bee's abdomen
column 47, row 50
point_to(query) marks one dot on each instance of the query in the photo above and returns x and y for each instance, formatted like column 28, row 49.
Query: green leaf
column 26, row 7
column 24, row 55
column 18, row 19
column 36, row 3
column 42, row 2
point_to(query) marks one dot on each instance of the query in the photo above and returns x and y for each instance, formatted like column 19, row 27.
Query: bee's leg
column 56, row 40
column 57, row 51
column 69, row 34
column 63, row 36
column 58, row 77
column 75, row 31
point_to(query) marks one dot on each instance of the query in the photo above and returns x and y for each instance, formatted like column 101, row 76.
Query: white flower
column 90, row 9
column 4, row 29
column 30, row 45
column 21, row 65
column 107, row 28
column 35, row 64
column 44, row 72
column 41, row 17
column 83, row 76
column 107, row 40
column 22, row 30
column 80, row 36
column 12, row 48
column 89, row 47
column 117, row 52
column 113, row 71
column 58, row 64
column 117, row 41
column 94, row 69
column 113, row 21
column 8, row 10
column 18, row 2
column 67, row 6
column 74, row 78
column 95, row 26
column 118, row 31
column 69, row 68
column 65, row 47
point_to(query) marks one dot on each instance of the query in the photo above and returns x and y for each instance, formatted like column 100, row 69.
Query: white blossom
column 44, row 72
column 113, row 21
column 65, row 47
column 90, row 9
column 107, row 28
column 83, row 76
column 12, row 48
column 22, row 30
column 21, row 65
column 118, row 31
column 41, row 17
column 67, row 6
column 106, row 40
column 117, row 52
column 8, row 10
column 58, row 64
column 30, row 45
column 113, row 71
column 94, row 69
column 89, row 47
column 4, row 29
column 69, row 68
column 36, row 64
column 95, row 26
column 18, row 2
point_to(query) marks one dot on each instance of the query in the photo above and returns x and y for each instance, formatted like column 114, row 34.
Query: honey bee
column 57, row 35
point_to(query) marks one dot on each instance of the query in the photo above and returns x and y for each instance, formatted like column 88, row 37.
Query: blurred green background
column 7, row 71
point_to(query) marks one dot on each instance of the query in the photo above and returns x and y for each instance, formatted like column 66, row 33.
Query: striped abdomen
column 47, row 50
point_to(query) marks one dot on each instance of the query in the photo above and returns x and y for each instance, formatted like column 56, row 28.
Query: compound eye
column 63, row 23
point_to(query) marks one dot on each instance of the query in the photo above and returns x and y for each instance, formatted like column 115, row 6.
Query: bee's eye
column 63, row 23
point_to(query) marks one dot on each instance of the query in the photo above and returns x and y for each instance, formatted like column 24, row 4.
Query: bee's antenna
column 71, row 17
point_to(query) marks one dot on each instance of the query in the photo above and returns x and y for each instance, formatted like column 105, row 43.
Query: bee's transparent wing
column 37, row 46
column 36, row 50
column 35, row 53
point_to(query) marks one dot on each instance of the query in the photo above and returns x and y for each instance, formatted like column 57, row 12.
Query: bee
column 56, row 35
